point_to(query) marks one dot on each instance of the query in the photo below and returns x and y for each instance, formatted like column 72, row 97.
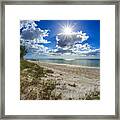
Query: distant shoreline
column 63, row 59
column 67, row 64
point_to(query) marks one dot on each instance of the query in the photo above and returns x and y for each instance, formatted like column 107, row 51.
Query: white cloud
column 34, row 40
column 81, row 49
column 29, row 31
column 85, row 49
column 27, row 24
column 35, row 48
column 72, row 43
column 71, row 39
column 41, row 40
column 31, row 36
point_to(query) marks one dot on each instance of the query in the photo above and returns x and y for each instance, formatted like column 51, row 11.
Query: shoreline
column 73, row 70
column 63, row 64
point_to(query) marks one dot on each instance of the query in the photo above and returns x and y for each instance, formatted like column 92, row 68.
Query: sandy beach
column 73, row 82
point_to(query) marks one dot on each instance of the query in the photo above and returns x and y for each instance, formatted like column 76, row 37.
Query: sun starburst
column 67, row 30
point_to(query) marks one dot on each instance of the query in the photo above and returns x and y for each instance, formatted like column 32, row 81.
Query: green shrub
column 23, row 51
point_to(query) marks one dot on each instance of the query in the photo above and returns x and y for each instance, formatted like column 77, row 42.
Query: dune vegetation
column 32, row 87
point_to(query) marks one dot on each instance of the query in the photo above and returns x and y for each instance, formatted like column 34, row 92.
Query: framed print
column 60, row 60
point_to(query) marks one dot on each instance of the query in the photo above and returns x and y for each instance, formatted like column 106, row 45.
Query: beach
column 60, row 60
column 73, row 82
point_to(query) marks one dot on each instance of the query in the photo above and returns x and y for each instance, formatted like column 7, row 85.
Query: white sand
column 73, row 81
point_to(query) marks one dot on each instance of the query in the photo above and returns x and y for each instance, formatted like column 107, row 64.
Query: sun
column 67, row 30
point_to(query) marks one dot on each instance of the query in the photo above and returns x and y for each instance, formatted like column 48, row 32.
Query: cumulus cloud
column 80, row 49
column 34, row 39
column 62, row 51
column 31, row 36
column 27, row 24
column 35, row 48
column 29, row 30
column 73, row 43
column 85, row 49
column 41, row 40
column 64, row 40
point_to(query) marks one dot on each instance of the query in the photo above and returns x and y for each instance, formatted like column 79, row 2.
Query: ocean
column 82, row 62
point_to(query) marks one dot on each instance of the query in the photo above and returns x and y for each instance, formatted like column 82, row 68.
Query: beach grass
column 31, row 85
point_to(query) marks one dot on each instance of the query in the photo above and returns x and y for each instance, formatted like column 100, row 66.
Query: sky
column 60, row 38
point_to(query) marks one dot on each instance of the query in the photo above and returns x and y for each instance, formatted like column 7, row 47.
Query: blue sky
column 61, row 37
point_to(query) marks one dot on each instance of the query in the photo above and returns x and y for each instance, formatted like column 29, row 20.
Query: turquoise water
column 83, row 62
